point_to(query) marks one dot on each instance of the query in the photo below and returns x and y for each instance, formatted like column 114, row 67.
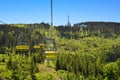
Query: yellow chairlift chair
column 22, row 48
column 50, row 48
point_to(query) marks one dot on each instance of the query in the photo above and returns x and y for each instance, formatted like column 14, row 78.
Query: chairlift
column 22, row 47
column 50, row 44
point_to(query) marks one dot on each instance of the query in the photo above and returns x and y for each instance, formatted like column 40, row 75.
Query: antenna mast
column 68, row 20
column 69, row 25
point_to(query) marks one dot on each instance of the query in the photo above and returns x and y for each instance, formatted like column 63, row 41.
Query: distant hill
column 88, row 29
column 98, row 24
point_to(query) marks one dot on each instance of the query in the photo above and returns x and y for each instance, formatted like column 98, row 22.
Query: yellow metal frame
column 22, row 48
column 36, row 47
column 50, row 54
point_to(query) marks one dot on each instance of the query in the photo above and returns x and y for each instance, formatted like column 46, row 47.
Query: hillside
column 85, row 51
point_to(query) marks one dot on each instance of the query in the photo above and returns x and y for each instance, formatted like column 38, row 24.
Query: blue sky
column 36, row 11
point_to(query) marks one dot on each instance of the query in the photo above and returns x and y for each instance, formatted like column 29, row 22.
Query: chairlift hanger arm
column 51, row 25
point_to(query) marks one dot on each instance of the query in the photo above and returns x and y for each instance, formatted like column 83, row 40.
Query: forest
column 85, row 51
